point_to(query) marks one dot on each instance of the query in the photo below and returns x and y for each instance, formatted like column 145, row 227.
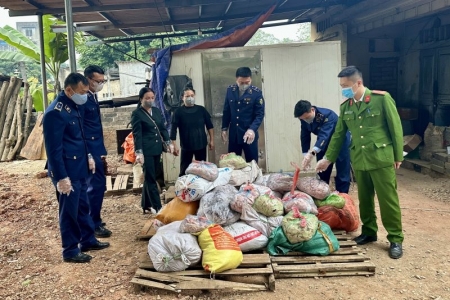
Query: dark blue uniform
column 241, row 113
column 93, row 131
column 323, row 126
column 67, row 157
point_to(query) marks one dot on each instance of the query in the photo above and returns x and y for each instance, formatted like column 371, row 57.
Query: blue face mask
column 348, row 92
column 79, row 99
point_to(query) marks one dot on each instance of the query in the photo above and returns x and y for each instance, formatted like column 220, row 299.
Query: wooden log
column 3, row 90
column 13, row 85
column 33, row 147
column 26, row 127
column 11, row 140
column 9, row 113
column 19, row 137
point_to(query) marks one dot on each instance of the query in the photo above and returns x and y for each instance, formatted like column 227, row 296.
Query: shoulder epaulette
column 379, row 92
column 59, row 106
column 232, row 86
column 256, row 89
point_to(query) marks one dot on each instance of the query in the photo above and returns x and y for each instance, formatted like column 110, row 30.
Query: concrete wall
column 110, row 90
column 131, row 72
column 112, row 120
column 335, row 33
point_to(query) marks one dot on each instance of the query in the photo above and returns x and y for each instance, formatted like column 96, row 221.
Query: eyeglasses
column 99, row 82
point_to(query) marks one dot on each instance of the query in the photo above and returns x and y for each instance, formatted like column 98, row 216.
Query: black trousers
column 150, row 194
column 186, row 158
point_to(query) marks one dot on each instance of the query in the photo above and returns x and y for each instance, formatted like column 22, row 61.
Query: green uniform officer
column 376, row 151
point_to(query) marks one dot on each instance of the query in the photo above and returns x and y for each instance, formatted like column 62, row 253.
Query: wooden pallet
column 254, row 274
column 147, row 231
column 347, row 261
column 117, row 185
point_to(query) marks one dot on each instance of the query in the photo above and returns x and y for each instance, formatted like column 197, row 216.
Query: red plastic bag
column 346, row 218
column 128, row 146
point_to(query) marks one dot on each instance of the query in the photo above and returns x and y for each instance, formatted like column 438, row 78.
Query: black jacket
column 145, row 133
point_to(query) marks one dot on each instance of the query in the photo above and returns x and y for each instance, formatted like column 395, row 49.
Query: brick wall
column 112, row 120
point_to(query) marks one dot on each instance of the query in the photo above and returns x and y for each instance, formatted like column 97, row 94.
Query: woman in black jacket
column 192, row 120
column 149, row 135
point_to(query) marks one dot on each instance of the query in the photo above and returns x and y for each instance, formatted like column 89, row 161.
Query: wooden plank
column 208, row 284
column 153, row 284
column 347, row 243
column 323, row 268
column 195, row 283
column 327, row 274
column 322, row 259
column 124, row 182
column 147, row 232
column 108, row 183
column 118, row 182
column 33, row 147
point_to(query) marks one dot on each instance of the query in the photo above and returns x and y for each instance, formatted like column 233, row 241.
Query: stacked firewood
column 14, row 109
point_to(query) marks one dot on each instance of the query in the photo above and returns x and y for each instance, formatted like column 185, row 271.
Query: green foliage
column 105, row 56
column 263, row 38
column 55, row 47
column 304, row 33
column 18, row 40
column 37, row 93
column 10, row 68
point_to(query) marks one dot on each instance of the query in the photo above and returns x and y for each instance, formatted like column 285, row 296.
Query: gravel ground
column 31, row 266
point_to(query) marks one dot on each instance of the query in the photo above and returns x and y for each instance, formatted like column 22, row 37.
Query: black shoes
column 96, row 246
column 79, row 258
column 364, row 239
column 395, row 250
column 102, row 232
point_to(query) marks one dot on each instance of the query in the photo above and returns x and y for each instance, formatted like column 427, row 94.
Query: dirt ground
column 31, row 266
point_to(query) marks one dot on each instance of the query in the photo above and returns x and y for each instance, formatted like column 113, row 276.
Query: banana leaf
column 16, row 39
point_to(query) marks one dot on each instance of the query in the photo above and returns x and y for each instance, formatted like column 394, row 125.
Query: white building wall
column 131, row 72
column 291, row 73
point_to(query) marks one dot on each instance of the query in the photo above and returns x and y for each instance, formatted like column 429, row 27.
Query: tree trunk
column 19, row 112
column 10, row 141
column 29, row 108
column 9, row 113
column 3, row 103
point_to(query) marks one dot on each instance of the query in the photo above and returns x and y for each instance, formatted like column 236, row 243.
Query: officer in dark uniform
column 322, row 122
column 243, row 113
column 93, row 130
column 68, row 169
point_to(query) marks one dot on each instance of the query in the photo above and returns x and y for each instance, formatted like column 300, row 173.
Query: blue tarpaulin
column 234, row 37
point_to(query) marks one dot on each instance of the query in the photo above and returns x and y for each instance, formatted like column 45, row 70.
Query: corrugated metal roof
column 120, row 18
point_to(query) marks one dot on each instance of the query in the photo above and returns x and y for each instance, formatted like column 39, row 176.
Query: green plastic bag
column 268, row 206
column 332, row 200
column 323, row 242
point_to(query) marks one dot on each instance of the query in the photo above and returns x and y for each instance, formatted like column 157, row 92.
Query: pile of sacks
column 218, row 213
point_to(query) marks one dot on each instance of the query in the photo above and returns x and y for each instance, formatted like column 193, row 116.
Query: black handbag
column 164, row 145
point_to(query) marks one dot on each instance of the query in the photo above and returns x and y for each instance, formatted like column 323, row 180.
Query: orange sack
column 177, row 210
column 346, row 218
column 128, row 146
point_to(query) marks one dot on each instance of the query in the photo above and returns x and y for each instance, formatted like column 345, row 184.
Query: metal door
column 219, row 71
column 434, row 89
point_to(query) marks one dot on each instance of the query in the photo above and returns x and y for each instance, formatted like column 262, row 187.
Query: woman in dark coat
column 149, row 135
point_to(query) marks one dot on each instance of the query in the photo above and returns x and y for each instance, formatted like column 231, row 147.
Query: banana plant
column 55, row 47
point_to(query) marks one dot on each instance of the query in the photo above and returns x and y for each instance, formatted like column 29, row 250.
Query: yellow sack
column 221, row 252
column 177, row 210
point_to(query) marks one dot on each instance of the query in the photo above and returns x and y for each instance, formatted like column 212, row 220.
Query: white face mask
column 79, row 99
column 189, row 101
column 243, row 87
column 98, row 86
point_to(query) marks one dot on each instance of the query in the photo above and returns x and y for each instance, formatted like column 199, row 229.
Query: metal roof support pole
column 70, row 36
column 42, row 59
